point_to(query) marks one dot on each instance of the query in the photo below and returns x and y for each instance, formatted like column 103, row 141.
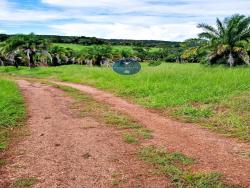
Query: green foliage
column 130, row 138
column 226, row 40
column 24, row 50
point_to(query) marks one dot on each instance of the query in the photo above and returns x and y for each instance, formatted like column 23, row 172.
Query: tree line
column 227, row 43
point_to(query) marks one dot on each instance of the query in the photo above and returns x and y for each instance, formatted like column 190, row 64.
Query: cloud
column 23, row 15
column 132, row 19
column 191, row 7
column 168, row 32
column 94, row 3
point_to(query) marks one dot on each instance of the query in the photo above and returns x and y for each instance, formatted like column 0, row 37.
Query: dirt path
column 212, row 151
column 61, row 151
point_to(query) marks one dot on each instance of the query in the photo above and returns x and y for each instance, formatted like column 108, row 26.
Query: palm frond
column 208, row 28
column 207, row 35
column 220, row 26
column 242, row 53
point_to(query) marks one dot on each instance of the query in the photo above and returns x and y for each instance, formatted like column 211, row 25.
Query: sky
column 170, row 20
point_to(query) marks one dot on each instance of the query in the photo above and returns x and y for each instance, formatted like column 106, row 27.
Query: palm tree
column 227, row 39
column 25, row 47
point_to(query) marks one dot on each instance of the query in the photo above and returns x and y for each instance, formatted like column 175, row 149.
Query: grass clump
column 194, row 113
column 174, row 164
column 120, row 121
column 130, row 138
column 25, row 182
column 144, row 133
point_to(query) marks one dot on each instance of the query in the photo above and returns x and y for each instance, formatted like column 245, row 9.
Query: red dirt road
column 64, row 151
column 212, row 151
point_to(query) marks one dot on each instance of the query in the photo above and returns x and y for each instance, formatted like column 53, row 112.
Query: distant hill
column 98, row 41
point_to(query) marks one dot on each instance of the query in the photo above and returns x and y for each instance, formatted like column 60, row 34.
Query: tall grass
column 190, row 92
column 163, row 86
column 12, row 109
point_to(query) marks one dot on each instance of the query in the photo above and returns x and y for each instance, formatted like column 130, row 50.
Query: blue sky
column 173, row 20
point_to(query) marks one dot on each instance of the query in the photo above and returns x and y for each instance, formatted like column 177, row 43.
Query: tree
column 99, row 54
column 225, row 41
column 24, row 48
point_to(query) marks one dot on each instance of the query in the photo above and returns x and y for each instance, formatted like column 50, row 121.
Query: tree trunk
column 2, row 63
column 231, row 60
column 28, row 57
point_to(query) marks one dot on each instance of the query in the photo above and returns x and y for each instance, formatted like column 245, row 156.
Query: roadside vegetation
column 216, row 97
column 12, row 110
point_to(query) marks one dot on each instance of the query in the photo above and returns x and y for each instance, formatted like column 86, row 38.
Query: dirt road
column 213, row 152
column 64, row 151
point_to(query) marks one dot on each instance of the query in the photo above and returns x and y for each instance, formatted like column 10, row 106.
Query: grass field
column 216, row 97
column 12, row 110
column 79, row 47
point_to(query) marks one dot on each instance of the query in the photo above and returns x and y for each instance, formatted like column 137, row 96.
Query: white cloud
column 133, row 19
column 9, row 12
column 94, row 3
column 24, row 15
column 172, row 32
column 191, row 7
column 4, row 4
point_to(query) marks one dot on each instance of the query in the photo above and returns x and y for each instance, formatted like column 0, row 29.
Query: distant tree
column 24, row 48
column 225, row 41
column 193, row 50
column 141, row 53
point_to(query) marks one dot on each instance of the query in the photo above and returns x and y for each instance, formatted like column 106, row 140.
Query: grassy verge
column 12, row 110
column 189, row 92
column 230, row 117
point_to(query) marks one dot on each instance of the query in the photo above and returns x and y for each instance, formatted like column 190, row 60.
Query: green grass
column 190, row 92
column 12, row 110
column 174, row 164
column 79, row 47
column 25, row 182
column 162, row 86
column 130, row 138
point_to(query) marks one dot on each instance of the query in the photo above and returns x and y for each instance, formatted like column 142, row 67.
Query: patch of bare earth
column 63, row 150
column 212, row 152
